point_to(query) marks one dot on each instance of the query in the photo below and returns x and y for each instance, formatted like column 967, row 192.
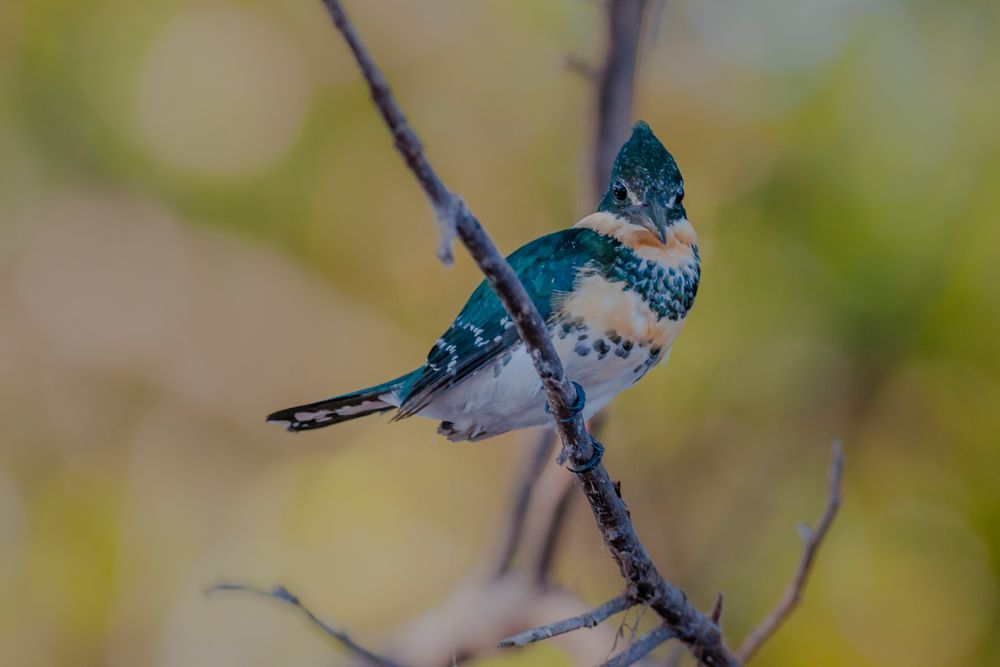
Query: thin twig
column 640, row 648
column 617, row 85
column 813, row 540
column 522, row 498
column 283, row 595
column 552, row 534
column 446, row 203
column 633, row 627
column 645, row 584
column 655, row 21
column 588, row 620
column 716, row 613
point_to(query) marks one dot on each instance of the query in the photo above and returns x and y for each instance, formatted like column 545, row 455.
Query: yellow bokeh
column 202, row 219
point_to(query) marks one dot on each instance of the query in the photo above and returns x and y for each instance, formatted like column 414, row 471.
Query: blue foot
column 594, row 460
column 576, row 408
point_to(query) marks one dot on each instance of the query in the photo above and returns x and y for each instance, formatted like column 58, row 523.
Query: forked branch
column 813, row 540
column 644, row 582
column 590, row 619
column 283, row 595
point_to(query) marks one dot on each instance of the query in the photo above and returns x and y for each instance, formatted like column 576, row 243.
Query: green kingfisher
column 614, row 290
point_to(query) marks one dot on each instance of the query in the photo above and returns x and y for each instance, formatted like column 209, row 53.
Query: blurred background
column 202, row 219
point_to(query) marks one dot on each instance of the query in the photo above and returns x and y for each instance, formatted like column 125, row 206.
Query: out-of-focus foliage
column 202, row 219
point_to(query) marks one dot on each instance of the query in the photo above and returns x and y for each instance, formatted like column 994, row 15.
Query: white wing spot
column 363, row 406
column 319, row 415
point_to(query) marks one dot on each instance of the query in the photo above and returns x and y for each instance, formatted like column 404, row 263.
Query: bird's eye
column 619, row 191
column 679, row 198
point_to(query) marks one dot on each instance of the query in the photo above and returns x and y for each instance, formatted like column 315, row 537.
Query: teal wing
column 483, row 331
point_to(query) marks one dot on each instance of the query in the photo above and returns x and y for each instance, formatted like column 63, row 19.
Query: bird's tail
column 338, row 409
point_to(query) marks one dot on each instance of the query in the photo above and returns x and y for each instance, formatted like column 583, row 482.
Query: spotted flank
column 483, row 331
column 614, row 290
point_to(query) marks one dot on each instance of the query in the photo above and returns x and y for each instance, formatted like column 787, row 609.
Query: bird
column 614, row 290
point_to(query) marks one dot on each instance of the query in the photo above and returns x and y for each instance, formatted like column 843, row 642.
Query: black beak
column 654, row 218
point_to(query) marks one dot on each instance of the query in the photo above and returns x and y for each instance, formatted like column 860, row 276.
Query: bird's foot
column 594, row 459
column 578, row 404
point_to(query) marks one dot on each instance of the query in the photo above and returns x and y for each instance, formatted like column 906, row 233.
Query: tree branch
column 553, row 531
column 616, row 85
column 588, row 620
column 640, row 648
column 813, row 540
column 556, row 516
column 645, row 584
column 453, row 214
column 522, row 498
column 716, row 613
column 283, row 595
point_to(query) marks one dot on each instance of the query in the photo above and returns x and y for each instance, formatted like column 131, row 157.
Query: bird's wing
column 547, row 267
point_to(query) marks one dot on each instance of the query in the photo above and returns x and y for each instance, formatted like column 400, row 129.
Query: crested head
column 646, row 187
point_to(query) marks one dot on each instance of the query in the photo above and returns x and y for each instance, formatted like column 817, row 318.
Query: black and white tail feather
column 330, row 411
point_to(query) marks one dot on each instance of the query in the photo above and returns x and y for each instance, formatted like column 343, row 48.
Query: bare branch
column 617, row 84
column 283, row 595
column 645, row 584
column 481, row 609
column 640, row 648
column 446, row 204
column 813, row 540
column 529, row 478
column 552, row 534
column 588, row 620
column 716, row 612
column 451, row 210
column 655, row 20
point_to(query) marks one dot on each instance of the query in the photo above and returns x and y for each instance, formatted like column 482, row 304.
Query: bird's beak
column 654, row 218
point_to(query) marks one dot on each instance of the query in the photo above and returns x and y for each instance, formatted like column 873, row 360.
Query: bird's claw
column 578, row 404
column 594, row 459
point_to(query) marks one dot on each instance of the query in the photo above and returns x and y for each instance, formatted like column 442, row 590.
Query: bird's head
column 646, row 187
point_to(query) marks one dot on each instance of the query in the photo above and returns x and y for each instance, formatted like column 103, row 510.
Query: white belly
column 508, row 396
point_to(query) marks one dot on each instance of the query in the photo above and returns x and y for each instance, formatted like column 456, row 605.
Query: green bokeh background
column 202, row 219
